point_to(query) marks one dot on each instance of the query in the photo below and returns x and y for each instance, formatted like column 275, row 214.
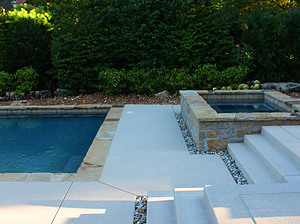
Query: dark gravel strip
column 140, row 212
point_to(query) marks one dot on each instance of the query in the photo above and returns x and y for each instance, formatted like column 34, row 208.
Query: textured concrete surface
column 30, row 203
column 292, row 129
column 256, row 203
column 139, row 174
column 253, row 169
column 281, row 208
column 287, row 142
column 148, row 153
column 160, row 207
column 96, row 203
column 190, row 206
column 276, row 161
column 148, row 141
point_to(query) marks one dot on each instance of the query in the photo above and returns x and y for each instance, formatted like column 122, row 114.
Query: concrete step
column 251, row 166
column 254, row 203
column 190, row 206
column 291, row 179
column 286, row 139
column 160, row 207
column 292, row 129
column 276, row 161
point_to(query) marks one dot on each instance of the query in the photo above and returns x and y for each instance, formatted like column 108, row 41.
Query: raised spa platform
column 213, row 131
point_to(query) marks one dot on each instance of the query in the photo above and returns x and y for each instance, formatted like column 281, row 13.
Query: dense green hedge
column 92, row 36
column 25, row 39
column 132, row 46
column 207, row 76
column 275, row 38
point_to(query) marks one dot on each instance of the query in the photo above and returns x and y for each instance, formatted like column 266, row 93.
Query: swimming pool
column 244, row 107
column 47, row 143
column 93, row 162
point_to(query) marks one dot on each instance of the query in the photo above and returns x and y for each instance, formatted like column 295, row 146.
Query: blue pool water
column 46, row 144
column 243, row 107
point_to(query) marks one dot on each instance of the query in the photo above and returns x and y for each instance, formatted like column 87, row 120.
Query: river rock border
column 140, row 210
column 235, row 172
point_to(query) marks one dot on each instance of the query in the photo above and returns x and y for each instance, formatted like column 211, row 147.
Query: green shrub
column 233, row 75
column 274, row 36
column 245, row 57
column 26, row 79
column 25, row 38
column 130, row 34
column 207, row 76
column 114, row 81
column 6, row 81
column 179, row 79
column 246, row 7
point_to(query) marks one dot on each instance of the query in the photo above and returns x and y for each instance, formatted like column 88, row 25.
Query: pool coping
column 93, row 163
column 209, row 128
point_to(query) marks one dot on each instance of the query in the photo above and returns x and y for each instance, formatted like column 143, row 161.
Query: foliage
column 246, row 7
column 94, row 35
column 26, row 29
column 275, row 38
column 245, row 57
column 180, row 78
column 6, row 81
column 208, row 75
column 26, row 79
column 132, row 46
column 113, row 81
column 79, row 46
column 232, row 75
column 23, row 81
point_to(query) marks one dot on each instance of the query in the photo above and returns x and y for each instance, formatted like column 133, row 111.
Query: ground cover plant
column 132, row 46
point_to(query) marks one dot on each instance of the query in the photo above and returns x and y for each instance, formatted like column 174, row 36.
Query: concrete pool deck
column 147, row 153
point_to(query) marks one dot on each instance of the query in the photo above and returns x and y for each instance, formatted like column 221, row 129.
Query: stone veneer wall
column 213, row 131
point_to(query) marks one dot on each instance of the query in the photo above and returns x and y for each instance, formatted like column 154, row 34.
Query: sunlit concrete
column 30, row 203
column 94, row 202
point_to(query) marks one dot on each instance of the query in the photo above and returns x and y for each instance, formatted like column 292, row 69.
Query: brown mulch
column 97, row 98
column 294, row 95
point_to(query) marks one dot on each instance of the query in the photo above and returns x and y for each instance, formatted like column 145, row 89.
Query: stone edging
column 213, row 131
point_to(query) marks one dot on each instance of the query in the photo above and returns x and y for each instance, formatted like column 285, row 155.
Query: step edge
column 281, row 146
column 268, row 164
column 275, row 166
column 202, row 215
column 250, row 176
column 210, row 209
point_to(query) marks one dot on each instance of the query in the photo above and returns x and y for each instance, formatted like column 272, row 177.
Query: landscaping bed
column 97, row 98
